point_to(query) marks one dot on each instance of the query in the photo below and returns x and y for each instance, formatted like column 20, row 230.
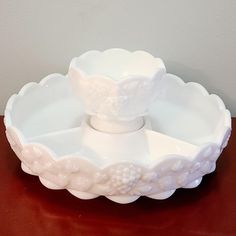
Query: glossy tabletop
column 28, row 208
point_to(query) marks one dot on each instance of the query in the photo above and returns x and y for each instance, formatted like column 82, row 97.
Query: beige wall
column 196, row 39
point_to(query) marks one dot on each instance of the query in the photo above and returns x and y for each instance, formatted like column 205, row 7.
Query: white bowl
column 116, row 84
column 184, row 132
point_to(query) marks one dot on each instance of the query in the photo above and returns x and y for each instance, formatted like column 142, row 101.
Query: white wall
column 196, row 39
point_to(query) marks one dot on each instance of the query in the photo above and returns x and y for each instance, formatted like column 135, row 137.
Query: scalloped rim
column 220, row 143
column 23, row 91
column 27, row 87
column 227, row 116
column 161, row 68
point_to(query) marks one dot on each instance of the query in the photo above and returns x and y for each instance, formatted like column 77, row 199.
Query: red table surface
column 29, row 208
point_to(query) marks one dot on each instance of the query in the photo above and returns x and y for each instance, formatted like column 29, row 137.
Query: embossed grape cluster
column 125, row 177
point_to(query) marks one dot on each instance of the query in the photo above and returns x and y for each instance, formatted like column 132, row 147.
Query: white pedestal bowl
column 117, row 125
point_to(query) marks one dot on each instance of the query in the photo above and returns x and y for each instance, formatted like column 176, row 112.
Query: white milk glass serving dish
column 119, row 126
